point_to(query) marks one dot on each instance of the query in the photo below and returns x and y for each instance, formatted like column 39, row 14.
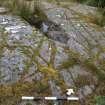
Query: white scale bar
column 73, row 98
column 27, row 98
column 50, row 98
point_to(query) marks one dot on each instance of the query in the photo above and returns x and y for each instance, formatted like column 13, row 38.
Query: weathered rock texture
column 71, row 56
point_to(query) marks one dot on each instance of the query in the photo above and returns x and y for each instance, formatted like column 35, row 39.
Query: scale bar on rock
column 50, row 98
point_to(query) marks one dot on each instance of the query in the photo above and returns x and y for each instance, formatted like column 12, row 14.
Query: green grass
column 100, row 17
column 28, row 104
column 97, row 3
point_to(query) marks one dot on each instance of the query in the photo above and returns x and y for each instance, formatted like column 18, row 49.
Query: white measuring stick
column 50, row 98
column 73, row 98
column 27, row 98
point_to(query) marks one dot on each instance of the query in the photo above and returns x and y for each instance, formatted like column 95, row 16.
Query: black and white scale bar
column 50, row 98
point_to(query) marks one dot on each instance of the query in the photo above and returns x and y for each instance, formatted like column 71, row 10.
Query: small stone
column 7, row 29
column 3, row 10
column 78, row 25
column 14, row 31
column 50, row 48
column 62, row 24
column 44, row 27
column 3, row 19
column 36, row 45
column 58, row 15
column 4, row 22
column 87, row 90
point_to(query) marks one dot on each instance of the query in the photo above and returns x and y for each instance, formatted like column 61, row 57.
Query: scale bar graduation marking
column 73, row 98
column 50, row 98
column 27, row 98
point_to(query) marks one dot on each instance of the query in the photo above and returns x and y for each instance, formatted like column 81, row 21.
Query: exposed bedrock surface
column 70, row 55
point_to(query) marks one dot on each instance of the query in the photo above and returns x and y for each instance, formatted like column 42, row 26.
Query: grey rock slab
column 79, row 70
column 26, row 102
column 67, row 78
column 84, row 34
column 54, row 88
column 83, row 9
column 77, row 33
column 85, row 91
column 13, row 61
column 61, row 56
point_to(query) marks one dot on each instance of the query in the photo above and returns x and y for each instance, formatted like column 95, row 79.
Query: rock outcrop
column 66, row 52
